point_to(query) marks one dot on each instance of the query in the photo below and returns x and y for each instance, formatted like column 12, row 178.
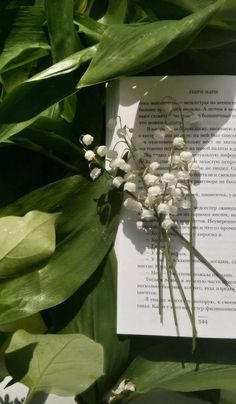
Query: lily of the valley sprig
column 157, row 191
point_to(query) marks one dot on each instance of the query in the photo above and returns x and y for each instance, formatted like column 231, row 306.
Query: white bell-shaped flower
column 133, row 205
column 87, row 140
column 147, row 215
column 130, row 177
column 169, row 178
column 163, row 208
column 117, row 181
column 130, row 187
column 179, row 142
column 183, row 175
column 89, row 155
column 102, row 151
column 186, row 156
column 153, row 167
column 95, row 172
column 150, row 179
column 155, row 190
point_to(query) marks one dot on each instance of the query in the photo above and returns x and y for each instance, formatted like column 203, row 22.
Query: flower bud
column 94, row 174
column 153, row 167
column 147, row 214
column 179, row 142
column 154, row 190
column 87, row 140
column 183, row 176
column 89, row 155
column 117, row 163
column 193, row 167
column 163, row 208
column 130, row 187
column 150, row 179
column 130, row 177
column 117, row 182
column 186, row 156
column 133, row 205
column 168, row 178
column 102, row 151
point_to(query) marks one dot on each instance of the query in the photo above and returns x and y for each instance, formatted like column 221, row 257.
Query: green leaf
column 26, row 41
column 89, row 217
column 128, row 49
column 9, row 130
column 64, row 41
column 93, row 308
column 171, row 366
column 116, row 12
column 88, row 26
column 26, row 242
column 58, row 81
column 60, row 364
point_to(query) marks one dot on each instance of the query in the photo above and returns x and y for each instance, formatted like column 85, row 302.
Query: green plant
column 56, row 56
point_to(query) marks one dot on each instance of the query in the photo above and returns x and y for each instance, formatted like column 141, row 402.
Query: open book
column 136, row 100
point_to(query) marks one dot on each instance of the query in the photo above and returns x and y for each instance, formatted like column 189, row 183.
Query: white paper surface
column 213, row 142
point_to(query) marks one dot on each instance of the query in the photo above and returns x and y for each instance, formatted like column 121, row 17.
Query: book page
column 137, row 100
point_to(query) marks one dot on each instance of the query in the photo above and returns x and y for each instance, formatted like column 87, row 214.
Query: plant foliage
column 55, row 59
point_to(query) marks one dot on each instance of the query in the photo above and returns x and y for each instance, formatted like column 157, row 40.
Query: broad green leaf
column 26, row 41
column 88, row 26
column 26, row 242
column 46, row 88
column 33, row 324
column 89, row 217
column 63, row 38
column 93, row 308
column 116, row 12
column 64, row 41
column 132, row 48
column 60, row 364
column 9, row 130
column 171, row 366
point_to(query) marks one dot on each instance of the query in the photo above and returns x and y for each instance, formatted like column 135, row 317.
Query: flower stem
column 191, row 256
column 159, row 274
column 167, row 253
column 201, row 258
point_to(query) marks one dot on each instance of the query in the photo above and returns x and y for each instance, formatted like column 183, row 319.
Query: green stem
column 201, row 258
column 191, row 254
column 181, row 290
column 159, row 274
column 168, row 270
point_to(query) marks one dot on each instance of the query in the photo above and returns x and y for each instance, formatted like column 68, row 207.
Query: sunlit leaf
column 26, row 41
column 25, row 242
column 130, row 49
column 60, row 364
column 89, row 217
column 46, row 88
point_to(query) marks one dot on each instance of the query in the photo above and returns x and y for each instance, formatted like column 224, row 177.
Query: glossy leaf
column 88, row 26
column 64, row 41
column 130, row 49
column 93, row 309
column 89, row 218
column 26, row 41
column 46, row 88
column 26, row 242
column 171, row 366
column 116, row 12
column 60, row 364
